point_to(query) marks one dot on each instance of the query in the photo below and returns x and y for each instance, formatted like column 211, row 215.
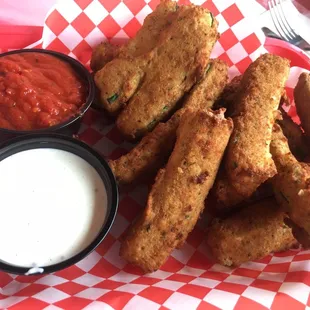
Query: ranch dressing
column 52, row 206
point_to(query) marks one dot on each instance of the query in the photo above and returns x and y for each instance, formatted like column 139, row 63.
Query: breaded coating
column 302, row 101
column 209, row 88
column 118, row 80
column 291, row 130
column 295, row 136
column 144, row 41
column 102, row 54
column 250, row 234
column 292, row 183
column 147, row 157
column 177, row 197
column 177, row 63
column 229, row 94
column 228, row 199
column 149, row 34
column 225, row 193
column 248, row 161
column 154, row 149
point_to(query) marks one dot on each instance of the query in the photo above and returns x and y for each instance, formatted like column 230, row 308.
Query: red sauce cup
column 71, row 125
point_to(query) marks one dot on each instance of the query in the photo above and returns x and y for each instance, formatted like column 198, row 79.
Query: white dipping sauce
column 52, row 206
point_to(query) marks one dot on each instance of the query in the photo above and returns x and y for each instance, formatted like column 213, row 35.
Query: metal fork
column 283, row 27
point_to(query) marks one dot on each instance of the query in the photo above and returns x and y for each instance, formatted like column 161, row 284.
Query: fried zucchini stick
column 145, row 39
column 118, row 80
column 177, row 197
column 291, row 130
column 154, row 82
column 292, row 183
column 302, row 101
column 154, row 149
column 250, row 234
column 149, row 155
column 248, row 161
column 226, row 194
column 178, row 62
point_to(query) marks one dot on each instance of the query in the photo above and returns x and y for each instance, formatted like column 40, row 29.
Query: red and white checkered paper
column 189, row 279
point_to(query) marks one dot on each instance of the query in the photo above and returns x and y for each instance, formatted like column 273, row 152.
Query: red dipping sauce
column 37, row 91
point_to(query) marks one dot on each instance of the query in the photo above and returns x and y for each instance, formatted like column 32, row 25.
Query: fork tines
column 281, row 23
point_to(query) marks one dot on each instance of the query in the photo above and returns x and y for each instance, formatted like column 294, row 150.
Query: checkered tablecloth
column 189, row 279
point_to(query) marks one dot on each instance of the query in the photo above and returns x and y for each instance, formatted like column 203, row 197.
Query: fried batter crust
column 292, row 131
column 102, row 54
column 228, row 96
column 208, row 89
column 175, row 65
column 145, row 39
column 248, row 161
column 302, row 101
column 118, row 80
column 292, row 183
column 147, row 157
column 177, row 197
column 225, row 193
column 250, row 234
column 228, row 199
column 152, row 152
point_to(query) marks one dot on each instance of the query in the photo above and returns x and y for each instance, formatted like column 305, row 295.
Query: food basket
column 189, row 279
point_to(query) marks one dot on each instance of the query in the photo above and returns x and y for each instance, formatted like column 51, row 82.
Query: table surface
column 18, row 12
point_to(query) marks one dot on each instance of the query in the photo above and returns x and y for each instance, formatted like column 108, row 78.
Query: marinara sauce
column 37, row 91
